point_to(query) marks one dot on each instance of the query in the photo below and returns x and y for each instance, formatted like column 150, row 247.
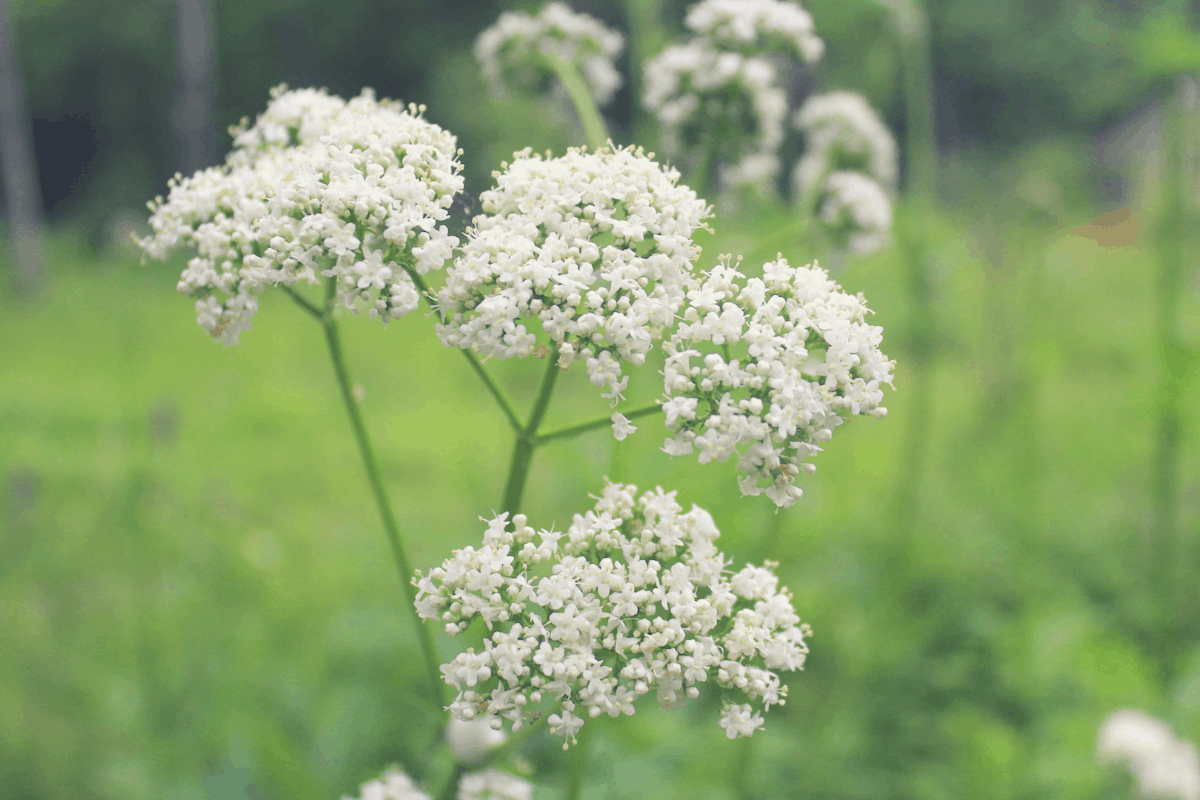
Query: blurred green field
column 197, row 601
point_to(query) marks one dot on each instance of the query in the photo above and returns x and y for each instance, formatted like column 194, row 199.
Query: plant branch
column 399, row 555
column 522, row 456
column 493, row 386
column 581, row 97
column 575, row 430
column 300, row 301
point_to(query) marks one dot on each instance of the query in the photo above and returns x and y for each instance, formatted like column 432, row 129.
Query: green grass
column 197, row 600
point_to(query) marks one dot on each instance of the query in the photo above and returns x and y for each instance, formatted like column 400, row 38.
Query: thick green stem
column 381, row 501
column 527, row 441
column 575, row 430
column 581, row 96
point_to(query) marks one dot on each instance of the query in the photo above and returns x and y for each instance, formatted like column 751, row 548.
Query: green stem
column 489, row 381
column 300, row 301
column 381, row 501
column 575, row 430
column 581, row 96
column 522, row 456
column 578, row 766
column 1173, row 355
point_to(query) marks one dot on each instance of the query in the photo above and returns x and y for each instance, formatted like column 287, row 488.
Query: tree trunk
column 22, row 192
column 194, row 102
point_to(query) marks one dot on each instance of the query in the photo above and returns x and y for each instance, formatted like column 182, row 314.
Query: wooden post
column 22, row 190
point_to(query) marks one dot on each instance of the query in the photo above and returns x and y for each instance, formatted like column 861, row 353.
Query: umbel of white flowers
column 513, row 51
column 490, row 784
column 766, row 368
column 317, row 187
column 632, row 598
column 1163, row 766
column 594, row 250
column 722, row 89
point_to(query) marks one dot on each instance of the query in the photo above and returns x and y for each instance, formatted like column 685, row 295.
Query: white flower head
column 590, row 253
column 356, row 196
column 632, row 599
column 512, row 52
column 1162, row 765
column 757, row 27
column 855, row 211
column 710, row 98
column 843, row 133
column 766, row 368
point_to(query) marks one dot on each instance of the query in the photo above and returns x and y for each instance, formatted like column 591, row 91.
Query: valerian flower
column 766, row 368
column 757, row 27
column 632, row 598
column 855, row 212
column 513, row 51
column 588, row 252
column 723, row 101
column 1162, row 765
column 317, row 187
column 843, row 133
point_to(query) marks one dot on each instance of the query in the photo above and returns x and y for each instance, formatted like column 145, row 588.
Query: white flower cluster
column 1162, row 765
column 722, row 100
column 490, row 784
column 512, row 51
column 856, row 212
column 318, row 187
column 632, row 598
column 757, row 27
column 843, row 133
column 292, row 117
column 770, row 365
column 593, row 249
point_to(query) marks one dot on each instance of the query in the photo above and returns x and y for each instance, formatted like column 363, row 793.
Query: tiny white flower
column 856, row 211
column 757, row 27
column 622, row 427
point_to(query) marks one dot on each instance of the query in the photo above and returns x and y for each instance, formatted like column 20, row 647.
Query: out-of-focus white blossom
column 843, row 133
column 757, row 27
column 353, row 191
column 855, row 211
column 766, row 368
column 1163, row 766
column 756, row 173
column 470, row 742
column 721, row 100
column 594, row 250
column 494, row 784
column 490, row 784
column 512, row 51
column 392, row 785
column 632, row 598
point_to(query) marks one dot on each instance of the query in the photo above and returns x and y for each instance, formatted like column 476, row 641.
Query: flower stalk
column 590, row 120
column 522, row 457
column 386, row 515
